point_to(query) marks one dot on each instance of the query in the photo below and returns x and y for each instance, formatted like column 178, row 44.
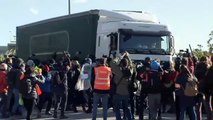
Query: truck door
column 102, row 45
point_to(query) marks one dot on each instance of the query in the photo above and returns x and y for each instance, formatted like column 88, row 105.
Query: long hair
column 184, row 70
column 123, row 62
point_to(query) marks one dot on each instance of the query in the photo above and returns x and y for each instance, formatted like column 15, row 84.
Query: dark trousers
column 132, row 104
column 143, row 105
column 43, row 98
column 61, row 101
column 28, row 104
column 3, row 104
column 137, row 104
column 190, row 111
column 203, row 100
column 167, row 99
column 9, row 100
column 177, row 100
column 89, row 99
column 119, row 100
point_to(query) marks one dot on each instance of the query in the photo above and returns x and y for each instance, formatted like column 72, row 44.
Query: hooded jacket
column 3, row 82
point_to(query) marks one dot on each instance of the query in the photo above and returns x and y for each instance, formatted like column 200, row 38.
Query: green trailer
column 70, row 33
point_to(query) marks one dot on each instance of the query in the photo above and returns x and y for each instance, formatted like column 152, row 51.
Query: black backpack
column 25, row 87
column 154, row 82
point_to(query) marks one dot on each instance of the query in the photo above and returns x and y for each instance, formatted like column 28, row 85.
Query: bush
column 200, row 54
column 1, row 58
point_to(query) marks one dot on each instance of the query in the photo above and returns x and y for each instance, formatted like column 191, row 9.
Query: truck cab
column 138, row 33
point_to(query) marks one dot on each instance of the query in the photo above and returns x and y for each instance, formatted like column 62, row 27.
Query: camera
column 185, row 53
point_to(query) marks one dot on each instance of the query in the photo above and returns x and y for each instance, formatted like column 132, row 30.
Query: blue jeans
column 96, row 98
column 119, row 100
column 203, row 100
column 209, row 107
column 190, row 111
column 16, row 100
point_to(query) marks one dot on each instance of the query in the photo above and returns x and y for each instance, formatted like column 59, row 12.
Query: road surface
column 85, row 116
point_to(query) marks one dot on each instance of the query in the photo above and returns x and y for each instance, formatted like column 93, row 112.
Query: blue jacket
column 47, row 86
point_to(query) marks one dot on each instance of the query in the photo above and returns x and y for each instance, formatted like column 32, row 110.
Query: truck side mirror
column 113, row 41
column 172, row 44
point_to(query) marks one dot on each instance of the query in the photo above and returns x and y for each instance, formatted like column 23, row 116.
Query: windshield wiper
column 165, row 52
column 158, row 51
column 146, row 51
column 153, row 51
column 131, row 50
column 138, row 51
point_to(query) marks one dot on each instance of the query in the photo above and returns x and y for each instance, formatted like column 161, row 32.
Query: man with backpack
column 141, row 76
column 28, row 89
column 154, row 87
column 60, row 88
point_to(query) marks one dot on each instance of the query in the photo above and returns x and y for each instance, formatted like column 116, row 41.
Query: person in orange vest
column 101, row 90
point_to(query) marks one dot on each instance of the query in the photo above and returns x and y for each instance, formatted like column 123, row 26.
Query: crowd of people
column 184, row 85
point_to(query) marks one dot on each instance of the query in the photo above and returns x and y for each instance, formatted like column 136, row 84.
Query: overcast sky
column 189, row 20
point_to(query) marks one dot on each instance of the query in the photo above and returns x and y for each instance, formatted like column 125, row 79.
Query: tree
column 1, row 58
column 10, row 52
column 198, row 53
column 210, row 45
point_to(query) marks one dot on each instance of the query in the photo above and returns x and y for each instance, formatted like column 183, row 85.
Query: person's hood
column 155, row 66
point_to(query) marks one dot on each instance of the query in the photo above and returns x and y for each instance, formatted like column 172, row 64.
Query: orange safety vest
column 102, row 78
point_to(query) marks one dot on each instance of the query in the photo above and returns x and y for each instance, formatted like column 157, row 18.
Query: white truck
column 98, row 32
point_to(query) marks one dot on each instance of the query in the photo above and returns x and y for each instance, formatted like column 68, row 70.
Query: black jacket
column 13, row 77
column 60, row 85
column 209, row 81
column 154, row 84
column 33, row 81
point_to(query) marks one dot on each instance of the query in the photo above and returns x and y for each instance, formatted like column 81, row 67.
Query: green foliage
column 11, row 52
column 199, row 53
column 209, row 42
column 1, row 57
column 8, row 53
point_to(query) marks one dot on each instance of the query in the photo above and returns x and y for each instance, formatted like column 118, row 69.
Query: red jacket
column 3, row 82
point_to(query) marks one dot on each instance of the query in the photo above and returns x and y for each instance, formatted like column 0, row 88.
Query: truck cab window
column 140, row 43
column 114, row 41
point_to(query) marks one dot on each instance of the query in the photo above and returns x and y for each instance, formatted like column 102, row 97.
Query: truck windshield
column 145, row 44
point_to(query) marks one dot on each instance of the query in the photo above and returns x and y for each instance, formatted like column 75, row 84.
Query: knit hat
column 30, row 63
column 155, row 65
column 46, row 68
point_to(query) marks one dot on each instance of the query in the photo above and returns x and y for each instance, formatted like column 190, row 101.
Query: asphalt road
column 85, row 116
